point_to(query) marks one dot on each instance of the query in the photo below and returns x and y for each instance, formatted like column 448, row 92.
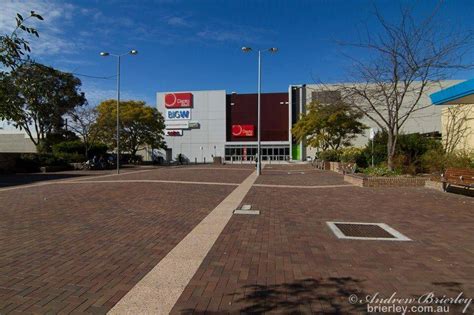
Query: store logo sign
column 173, row 133
column 178, row 100
column 243, row 130
column 177, row 124
column 178, row 114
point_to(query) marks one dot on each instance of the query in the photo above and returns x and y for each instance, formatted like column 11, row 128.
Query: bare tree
column 456, row 126
column 83, row 120
column 402, row 62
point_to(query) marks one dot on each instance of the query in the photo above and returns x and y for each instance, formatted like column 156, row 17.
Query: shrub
column 330, row 155
column 437, row 161
column 97, row 149
column 380, row 171
column 351, row 155
column 75, row 146
column 32, row 162
column 409, row 152
column 74, row 151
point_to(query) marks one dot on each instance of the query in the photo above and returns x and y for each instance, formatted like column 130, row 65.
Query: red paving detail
column 82, row 247
column 189, row 173
column 286, row 260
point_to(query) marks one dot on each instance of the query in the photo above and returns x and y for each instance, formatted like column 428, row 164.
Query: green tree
column 14, row 48
column 328, row 126
column 139, row 125
column 35, row 97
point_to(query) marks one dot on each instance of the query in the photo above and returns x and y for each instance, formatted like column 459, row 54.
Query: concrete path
column 159, row 290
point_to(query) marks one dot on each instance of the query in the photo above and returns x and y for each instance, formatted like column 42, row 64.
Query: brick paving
column 82, row 247
column 193, row 174
column 286, row 260
column 297, row 175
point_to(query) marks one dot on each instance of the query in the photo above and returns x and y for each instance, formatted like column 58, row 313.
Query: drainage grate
column 363, row 230
column 366, row 231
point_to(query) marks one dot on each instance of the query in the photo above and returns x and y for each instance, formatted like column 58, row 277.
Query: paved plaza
column 159, row 240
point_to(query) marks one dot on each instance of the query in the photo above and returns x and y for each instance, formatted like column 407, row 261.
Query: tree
column 14, row 48
column 83, row 122
column 456, row 126
column 35, row 98
column 328, row 126
column 139, row 125
column 401, row 63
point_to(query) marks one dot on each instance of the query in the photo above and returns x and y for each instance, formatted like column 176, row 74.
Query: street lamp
column 271, row 50
column 105, row 54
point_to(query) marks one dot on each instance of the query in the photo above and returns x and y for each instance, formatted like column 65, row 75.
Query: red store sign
column 178, row 100
column 243, row 130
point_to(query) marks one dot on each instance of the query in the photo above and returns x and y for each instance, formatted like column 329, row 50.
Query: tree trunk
column 391, row 146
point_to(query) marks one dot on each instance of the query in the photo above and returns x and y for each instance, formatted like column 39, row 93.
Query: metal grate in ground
column 366, row 231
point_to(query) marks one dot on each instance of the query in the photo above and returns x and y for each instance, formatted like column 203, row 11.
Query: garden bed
column 393, row 181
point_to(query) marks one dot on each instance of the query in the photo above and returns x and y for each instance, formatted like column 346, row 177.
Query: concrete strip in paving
column 304, row 187
column 148, row 181
column 159, row 290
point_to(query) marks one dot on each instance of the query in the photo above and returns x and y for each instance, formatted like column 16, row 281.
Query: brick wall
column 367, row 181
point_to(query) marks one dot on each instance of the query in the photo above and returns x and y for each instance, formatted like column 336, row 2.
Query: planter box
column 396, row 181
column 434, row 185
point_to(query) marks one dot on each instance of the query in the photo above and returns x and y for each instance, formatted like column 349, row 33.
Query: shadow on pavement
column 24, row 179
column 330, row 296
column 323, row 296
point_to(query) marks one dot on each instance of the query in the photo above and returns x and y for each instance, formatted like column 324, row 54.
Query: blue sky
column 195, row 45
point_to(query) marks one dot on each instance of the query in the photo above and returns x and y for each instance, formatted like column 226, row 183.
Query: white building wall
column 425, row 120
column 209, row 111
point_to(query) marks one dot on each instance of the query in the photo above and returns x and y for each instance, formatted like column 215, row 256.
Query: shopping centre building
column 204, row 124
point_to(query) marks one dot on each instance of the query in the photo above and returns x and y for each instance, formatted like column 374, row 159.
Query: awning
column 461, row 93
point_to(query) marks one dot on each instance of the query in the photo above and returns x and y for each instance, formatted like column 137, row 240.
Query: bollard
column 195, row 160
column 204, row 160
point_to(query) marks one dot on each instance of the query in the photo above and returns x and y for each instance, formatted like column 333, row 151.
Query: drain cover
column 363, row 230
column 366, row 231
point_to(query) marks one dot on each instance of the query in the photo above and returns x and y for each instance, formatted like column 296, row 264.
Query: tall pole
column 372, row 152
column 118, row 115
column 259, row 157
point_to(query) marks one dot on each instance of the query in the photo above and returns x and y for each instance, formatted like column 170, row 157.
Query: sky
column 196, row 44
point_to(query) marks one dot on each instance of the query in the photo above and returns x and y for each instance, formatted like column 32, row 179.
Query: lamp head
column 273, row 50
column 104, row 54
column 246, row 49
column 133, row 52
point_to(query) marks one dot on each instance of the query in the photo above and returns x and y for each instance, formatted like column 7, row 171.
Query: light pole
column 105, row 54
column 259, row 87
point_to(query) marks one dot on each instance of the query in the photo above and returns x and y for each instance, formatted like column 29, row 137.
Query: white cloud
column 178, row 21
column 52, row 38
column 96, row 93
column 222, row 32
